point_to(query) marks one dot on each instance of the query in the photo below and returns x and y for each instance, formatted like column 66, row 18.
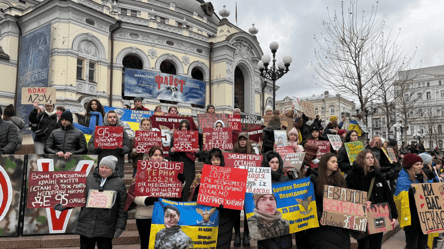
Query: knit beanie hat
column 426, row 158
column 67, row 116
column 256, row 198
column 137, row 99
column 109, row 161
column 208, row 107
column 9, row 111
column 293, row 131
column 236, row 110
column 268, row 108
column 411, row 159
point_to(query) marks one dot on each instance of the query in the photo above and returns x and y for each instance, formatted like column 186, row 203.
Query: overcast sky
column 294, row 23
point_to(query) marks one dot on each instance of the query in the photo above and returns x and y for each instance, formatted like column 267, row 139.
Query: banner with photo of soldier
column 289, row 209
column 132, row 117
column 177, row 225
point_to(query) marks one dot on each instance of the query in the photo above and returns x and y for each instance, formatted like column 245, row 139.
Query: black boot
column 237, row 240
column 246, row 240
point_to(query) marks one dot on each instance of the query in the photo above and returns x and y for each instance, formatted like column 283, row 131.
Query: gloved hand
column 181, row 178
column 118, row 232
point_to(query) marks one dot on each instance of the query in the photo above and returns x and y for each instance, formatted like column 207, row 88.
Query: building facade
column 90, row 43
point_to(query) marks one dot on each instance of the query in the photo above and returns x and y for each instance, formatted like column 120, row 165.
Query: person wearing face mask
column 100, row 225
column 274, row 161
column 365, row 176
column 405, row 202
column 145, row 125
column 171, row 237
column 343, row 160
column 43, row 122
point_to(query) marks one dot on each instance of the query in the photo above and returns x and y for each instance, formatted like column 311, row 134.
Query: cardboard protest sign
column 39, row 221
column 144, row 140
column 429, row 203
column 293, row 160
column 353, row 149
column 167, row 125
column 11, row 166
column 158, row 179
column 280, row 138
column 258, row 180
column 251, row 122
column 186, row 141
column 101, row 199
column 295, row 200
column 236, row 160
column 282, row 150
column 285, row 121
column 335, row 140
column 209, row 120
column 222, row 185
column 234, row 121
column 324, row 146
column 387, row 155
column 108, row 137
column 46, row 189
column 197, row 226
column 379, row 218
column 43, row 95
column 391, row 154
column 308, row 109
column 345, row 208
column 217, row 138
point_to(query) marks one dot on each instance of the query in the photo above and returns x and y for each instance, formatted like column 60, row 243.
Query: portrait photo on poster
column 280, row 138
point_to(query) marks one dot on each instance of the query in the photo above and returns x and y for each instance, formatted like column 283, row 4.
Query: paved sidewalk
column 396, row 241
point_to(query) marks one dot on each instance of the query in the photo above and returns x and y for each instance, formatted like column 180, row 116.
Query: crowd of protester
column 57, row 131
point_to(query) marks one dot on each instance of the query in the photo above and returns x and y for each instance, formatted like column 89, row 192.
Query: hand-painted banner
column 293, row 160
column 217, row 138
column 345, row 208
column 308, row 109
column 391, row 154
column 167, row 125
column 386, row 155
column 251, row 122
column 336, row 141
column 258, row 180
column 47, row 220
column 156, row 85
column 101, row 199
column 186, row 141
column 234, row 121
column 280, row 138
column 11, row 182
column 222, row 186
column 46, row 189
column 324, row 146
column 353, row 149
column 210, row 120
column 379, row 218
column 132, row 117
column 183, row 225
column 294, row 209
column 429, row 203
column 236, row 160
column 282, row 150
column 158, row 179
column 144, row 140
column 108, row 137
column 41, row 95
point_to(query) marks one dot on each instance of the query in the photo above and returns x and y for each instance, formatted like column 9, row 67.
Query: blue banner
column 34, row 65
column 156, row 85
column 132, row 117
column 186, row 223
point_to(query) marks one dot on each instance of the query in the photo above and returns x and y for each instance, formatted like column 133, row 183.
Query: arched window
column 167, row 67
column 197, row 74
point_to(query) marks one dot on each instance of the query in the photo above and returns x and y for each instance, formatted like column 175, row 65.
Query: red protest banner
column 253, row 135
column 222, row 185
column 209, row 120
column 46, row 189
column 284, row 150
column 247, row 160
column 158, row 179
column 324, row 146
column 218, row 138
column 234, row 121
column 186, row 141
column 108, row 137
column 144, row 140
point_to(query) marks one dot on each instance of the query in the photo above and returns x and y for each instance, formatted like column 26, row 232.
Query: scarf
column 51, row 113
column 194, row 185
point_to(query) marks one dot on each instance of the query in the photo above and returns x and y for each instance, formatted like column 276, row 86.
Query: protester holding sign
column 43, row 122
column 100, row 225
column 268, row 134
column 188, row 159
column 93, row 117
column 293, row 140
column 111, row 119
column 315, row 134
column 365, row 176
column 328, row 173
column 343, row 160
column 405, row 201
column 243, row 145
column 145, row 125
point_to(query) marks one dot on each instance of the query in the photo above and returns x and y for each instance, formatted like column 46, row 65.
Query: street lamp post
column 274, row 73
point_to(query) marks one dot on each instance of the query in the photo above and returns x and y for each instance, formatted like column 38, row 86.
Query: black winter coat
column 381, row 191
column 43, row 122
column 99, row 222
column 67, row 139
column 189, row 169
column 9, row 137
column 268, row 140
column 343, row 161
